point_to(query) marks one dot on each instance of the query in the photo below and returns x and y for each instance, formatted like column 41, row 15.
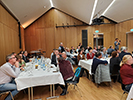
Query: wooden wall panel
column 60, row 36
column 49, row 37
column 9, row 36
column 50, row 42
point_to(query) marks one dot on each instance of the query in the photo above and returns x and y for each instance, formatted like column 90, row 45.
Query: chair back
column 77, row 74
column 102, row 74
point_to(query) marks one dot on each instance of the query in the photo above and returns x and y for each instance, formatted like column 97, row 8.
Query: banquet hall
column 46, row 40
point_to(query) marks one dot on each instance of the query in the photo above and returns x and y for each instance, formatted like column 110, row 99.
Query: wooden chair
column 3, row 95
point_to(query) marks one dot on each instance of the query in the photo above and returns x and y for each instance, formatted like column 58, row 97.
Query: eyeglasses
column 13, row 57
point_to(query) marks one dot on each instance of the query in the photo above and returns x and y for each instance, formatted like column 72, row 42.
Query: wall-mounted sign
column 97, row 31
column 131, row 30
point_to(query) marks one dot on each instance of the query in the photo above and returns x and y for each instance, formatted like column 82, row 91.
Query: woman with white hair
column 126, row 71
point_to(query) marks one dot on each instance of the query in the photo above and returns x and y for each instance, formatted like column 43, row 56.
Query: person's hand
column 22, row 68
column 22, row 65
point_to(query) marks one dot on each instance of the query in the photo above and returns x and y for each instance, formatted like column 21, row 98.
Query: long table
column 38, row 77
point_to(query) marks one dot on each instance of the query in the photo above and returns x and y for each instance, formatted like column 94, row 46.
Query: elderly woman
column 126, row 71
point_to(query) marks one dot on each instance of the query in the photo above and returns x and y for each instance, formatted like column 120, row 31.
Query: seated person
column 97, row 61
column 72, row 51
column 115, row 60
column 104, row 53
column 126, row 71
column 90, row 55
column 77, row 49
column 67, row 58
column 52, row 53
column 94, row 50
column 25, row 57
column 86, row 50
column 7, row 74
column 110, row 50
column 98, row 49
column 19, row 62
column 60, row 53
column 114, row 64
column 67, row 73
column 80, row 56
column 123, row 52
column 54, row 58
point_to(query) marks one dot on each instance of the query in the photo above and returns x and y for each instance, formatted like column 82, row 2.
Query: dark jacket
column 122, row 54
column 96, row 62
column 66, row 69
column 54, row 60
column 25, row 58
column 114, row 61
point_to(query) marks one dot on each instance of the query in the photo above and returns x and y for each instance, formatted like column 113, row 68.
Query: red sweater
column 126, row 72
column 66, row 69
column 90, row 57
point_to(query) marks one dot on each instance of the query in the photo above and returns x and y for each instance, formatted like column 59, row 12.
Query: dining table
column 33, row 76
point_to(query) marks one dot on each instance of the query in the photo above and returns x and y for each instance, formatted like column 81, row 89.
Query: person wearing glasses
column 7, row 74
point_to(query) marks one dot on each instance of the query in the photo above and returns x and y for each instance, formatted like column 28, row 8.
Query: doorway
column 98, row 39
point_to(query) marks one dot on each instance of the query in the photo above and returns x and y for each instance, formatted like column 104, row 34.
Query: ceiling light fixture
column 108, row 7
column 51, row 2
column 94, row 7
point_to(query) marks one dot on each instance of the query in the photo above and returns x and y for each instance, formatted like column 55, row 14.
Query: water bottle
column 44, row 67
column 35, row 60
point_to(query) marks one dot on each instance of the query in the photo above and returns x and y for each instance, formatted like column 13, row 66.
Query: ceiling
column 27, row 11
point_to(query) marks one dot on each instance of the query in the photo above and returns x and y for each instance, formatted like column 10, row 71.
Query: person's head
column 90, row 50
column 80, row 44
column 114, row 54
column 88, row 47
column 60, row 59
column 11, row 59
column 124, row 49
column 99, row 47
column 25, row 53
column 53, row 50
column 127, row 59
column 95, row 47
column 18, row 58
column 61, row 44
column 80, row 51
column 116, row 39
column 21, row 52
column 72, row 47
column 78, row 47
column 64, row 55
column 104, row 49
column 20, row 55
column 111, row 47
column 98, row 55
column 14, row 53
column 56, row 52
column 59, row 51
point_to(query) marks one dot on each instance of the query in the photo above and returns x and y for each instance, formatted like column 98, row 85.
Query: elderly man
column 67, row 58
column 123, row 52
column 7, row 72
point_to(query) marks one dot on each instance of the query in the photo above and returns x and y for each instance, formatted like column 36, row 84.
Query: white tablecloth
column 130, row 94
column 88, row 63
column 38, row 78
